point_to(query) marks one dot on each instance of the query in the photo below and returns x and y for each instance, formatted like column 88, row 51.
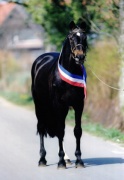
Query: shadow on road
column 103, row 161
column 95, row 162
column 52, row 164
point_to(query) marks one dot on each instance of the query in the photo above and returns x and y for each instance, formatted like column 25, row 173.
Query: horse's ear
column 83, row 26
column 72, row 25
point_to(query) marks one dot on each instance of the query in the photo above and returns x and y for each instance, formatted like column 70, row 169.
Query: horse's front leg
column 61, row 163
column 60, row 135
column 61, row 115
column 66, row 158
column 78, row 134
column 42, row 161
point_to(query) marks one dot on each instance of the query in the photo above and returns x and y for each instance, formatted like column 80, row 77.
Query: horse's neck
column 65, row 58
column 67, row 61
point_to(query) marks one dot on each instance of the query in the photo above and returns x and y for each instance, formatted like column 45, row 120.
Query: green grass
column 97, row 129
column 17, row 98
column 88, row 126
column 107, row 133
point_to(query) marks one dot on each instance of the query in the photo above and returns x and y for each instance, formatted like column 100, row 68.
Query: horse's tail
column 48, row 125
column 41, row 80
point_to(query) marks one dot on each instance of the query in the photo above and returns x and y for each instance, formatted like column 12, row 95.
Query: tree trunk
column 121, row 83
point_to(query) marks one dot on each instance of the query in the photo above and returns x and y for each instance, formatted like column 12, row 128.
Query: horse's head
column 78, row 42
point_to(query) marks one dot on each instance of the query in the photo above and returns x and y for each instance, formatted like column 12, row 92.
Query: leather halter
column 74, row 48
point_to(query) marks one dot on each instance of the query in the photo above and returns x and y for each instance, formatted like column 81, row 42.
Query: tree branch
column 20, row 3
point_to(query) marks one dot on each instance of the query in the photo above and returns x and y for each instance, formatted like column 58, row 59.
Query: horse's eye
column 78, row 38
column 71, row 38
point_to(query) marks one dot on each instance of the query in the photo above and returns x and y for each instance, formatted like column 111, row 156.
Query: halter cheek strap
column 75, row 47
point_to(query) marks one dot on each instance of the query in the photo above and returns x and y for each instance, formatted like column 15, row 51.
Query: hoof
column 68, row 161
column 79, row 163
column 42, row 163
column 62, row 165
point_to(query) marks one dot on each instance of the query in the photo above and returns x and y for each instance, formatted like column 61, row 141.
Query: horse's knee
column 61, row 133
column 41, row 129
column 61, row 154
column 78, row 132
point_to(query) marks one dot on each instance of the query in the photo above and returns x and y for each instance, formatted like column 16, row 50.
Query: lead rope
column 115, row 88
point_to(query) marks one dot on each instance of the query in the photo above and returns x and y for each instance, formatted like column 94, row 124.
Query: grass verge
column 88, row 126
column 17, row 98
column 97, row 129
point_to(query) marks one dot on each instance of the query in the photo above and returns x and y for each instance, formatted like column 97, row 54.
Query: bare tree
column 121, row 83
column 122, row 28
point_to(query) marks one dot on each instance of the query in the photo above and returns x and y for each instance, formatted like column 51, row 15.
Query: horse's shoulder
column 47, row 59
column 49, row 56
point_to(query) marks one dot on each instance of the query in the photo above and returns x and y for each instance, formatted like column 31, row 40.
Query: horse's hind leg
column 60, row 134
column 62, row 112
column 41, row 130
column 61, row 163
column 42, row 161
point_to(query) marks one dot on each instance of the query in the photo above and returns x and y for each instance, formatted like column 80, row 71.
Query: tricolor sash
column 74, row 80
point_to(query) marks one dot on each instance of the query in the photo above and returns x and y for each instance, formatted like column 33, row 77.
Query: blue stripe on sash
column 73, row 75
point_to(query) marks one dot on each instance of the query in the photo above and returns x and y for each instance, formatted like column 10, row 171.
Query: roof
column 26, row 44
column 5, row 10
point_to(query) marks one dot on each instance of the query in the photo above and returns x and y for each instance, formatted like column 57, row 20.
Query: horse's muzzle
column 79, row 59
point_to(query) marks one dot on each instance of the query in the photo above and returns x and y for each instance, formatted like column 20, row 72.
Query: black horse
column 58, row 82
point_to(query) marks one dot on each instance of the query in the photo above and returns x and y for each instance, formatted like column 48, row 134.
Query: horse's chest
column 73, row 95
column 69, row 94
column 66, row 93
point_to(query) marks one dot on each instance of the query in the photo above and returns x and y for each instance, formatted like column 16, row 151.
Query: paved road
column 19, row 151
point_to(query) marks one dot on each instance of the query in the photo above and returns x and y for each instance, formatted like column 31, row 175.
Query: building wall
column 18, row 27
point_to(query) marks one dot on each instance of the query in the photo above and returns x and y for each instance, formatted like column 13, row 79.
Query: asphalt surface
column 19, row 151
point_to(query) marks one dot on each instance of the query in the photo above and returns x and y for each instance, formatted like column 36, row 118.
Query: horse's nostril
column 80, row 57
